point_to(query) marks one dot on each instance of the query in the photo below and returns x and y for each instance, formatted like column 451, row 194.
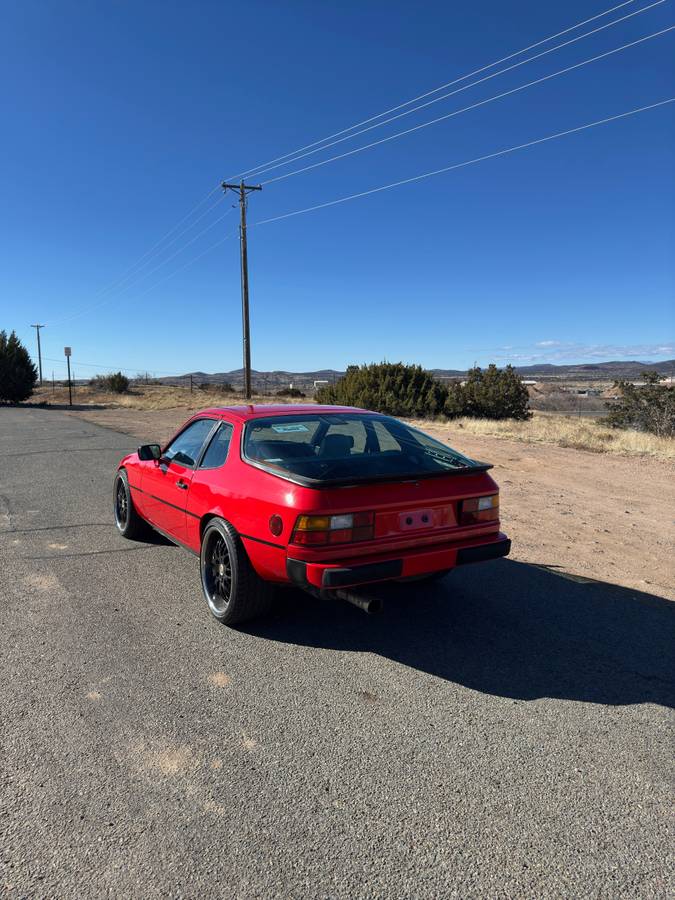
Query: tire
column 232, row 589
column 128, row 522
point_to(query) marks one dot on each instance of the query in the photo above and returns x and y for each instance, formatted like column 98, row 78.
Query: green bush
column 290, row 392
column 115, row 382
column 391, row 388
column 224, row 388
column 648, row 407
column 18, row 374
column 490, row 393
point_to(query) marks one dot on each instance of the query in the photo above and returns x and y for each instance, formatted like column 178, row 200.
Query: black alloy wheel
column 121, row 505
column 217, row 574
column 128, row 522
column 232, row 588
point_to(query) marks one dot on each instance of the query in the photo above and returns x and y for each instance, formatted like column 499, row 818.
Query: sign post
column 67, row 351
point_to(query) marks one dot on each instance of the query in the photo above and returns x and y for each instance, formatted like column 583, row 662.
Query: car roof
column 259, row 411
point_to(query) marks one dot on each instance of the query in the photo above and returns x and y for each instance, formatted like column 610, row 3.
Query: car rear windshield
column 323, row 449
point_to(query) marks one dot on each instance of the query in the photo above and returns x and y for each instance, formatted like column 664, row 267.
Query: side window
column 216, row 452
column 185, row 449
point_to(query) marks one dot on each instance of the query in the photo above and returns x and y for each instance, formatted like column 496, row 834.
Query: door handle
column 182, row 485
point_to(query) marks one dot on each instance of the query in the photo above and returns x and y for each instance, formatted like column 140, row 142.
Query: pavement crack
column 54, row 450
column 61, row 527
column 86, row 553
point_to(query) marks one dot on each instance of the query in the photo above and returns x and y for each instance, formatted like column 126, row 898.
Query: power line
column 444, row 97
column 152, row 288
column 263, row 166
column 136, row 369
column 191, row 241
column 468, row 162
column 184, row 231
column 147, row 253
column 458, row 112
column 186, row 265
column 107, row 300
column 184, row 219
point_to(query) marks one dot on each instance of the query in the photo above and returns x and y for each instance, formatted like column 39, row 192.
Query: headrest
column 337, row 445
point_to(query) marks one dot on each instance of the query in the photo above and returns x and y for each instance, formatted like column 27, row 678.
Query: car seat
column 336, row 445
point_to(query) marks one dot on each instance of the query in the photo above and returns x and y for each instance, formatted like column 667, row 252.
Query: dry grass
column 546, row 428
column 149, row 397
column 563, row 431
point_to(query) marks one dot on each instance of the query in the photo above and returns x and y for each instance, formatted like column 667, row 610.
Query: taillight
column 342, row 529
column 479, row 509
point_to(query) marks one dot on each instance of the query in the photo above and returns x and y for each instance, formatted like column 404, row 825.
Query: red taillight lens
column 479, row 509
column 341, row 529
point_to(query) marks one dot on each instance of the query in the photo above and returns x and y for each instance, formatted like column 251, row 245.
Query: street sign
column 67, row 351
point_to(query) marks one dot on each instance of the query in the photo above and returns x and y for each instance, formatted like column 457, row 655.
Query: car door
column 209, row 489
column 166, row 484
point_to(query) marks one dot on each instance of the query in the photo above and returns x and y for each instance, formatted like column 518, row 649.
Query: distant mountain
column 268, row 381
column 601, row 371
column 448, row 373
column 280, row 378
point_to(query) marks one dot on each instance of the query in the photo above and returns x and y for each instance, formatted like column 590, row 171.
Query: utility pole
column 67, row 353
column 243, row 190
column 37, row 328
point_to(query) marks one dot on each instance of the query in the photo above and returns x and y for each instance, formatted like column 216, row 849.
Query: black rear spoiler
column 326, row 483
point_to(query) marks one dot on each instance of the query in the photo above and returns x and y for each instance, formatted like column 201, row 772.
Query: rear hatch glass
column 347, row 448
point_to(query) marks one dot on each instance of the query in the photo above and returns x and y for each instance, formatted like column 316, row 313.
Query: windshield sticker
column 285, row 429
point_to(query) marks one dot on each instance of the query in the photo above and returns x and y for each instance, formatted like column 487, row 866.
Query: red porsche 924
column 326, row 498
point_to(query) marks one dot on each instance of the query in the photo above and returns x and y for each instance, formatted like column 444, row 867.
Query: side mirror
column 147, row 452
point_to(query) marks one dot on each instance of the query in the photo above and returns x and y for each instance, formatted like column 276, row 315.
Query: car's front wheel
column 233, row 590
column 129, row 523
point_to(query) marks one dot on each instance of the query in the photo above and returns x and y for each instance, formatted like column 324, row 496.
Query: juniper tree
column 18, row 374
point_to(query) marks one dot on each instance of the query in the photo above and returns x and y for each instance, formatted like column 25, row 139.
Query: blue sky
column 119, row 117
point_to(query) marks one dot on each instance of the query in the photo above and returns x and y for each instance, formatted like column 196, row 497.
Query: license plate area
column 416, row 519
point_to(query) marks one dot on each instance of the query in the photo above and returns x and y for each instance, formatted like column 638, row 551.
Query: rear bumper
column 399, row 565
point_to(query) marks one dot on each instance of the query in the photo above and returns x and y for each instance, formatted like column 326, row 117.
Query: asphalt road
column 507, row 732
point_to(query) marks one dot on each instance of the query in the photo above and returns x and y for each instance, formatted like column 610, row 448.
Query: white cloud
column 555, row 351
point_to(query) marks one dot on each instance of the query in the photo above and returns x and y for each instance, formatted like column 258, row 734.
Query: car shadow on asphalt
column 150, row 536
column 504, row 628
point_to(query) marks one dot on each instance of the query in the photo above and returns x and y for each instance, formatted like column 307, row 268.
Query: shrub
column 391, row 388
column 18, row 374
column 490, row 393
column 290, row 392
column 115, row 382
column 224, row 388
column 648, row 407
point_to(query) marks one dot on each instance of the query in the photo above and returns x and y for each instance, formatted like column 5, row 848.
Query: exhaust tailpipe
column 368, row 603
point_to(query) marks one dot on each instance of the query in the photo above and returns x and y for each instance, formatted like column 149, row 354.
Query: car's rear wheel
column 233, row 590
column 128, row 522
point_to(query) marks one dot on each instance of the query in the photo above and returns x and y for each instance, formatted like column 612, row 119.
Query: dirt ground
column 582, row 515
